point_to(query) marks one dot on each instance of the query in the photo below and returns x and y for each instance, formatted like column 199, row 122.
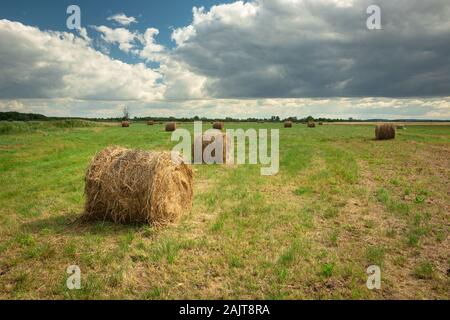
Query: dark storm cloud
column 287, row 48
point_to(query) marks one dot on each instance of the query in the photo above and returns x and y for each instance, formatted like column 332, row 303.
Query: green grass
column 15, row 127
column 340, row 202
column 424, row 270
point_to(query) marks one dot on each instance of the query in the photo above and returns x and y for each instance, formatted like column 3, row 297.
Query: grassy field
column 340, row 203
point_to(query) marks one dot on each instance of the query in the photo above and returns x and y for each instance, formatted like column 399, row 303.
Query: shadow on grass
column 71, row 224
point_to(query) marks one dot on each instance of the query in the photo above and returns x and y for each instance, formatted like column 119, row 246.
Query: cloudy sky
column 224, row 58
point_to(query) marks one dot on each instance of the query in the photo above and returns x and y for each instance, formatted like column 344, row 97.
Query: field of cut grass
column 340, row 203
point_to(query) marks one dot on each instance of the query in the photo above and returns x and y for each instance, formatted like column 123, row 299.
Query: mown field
column 340, row 203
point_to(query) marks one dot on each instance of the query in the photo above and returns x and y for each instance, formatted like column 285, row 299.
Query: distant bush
column 17, row 116
column 13, row 127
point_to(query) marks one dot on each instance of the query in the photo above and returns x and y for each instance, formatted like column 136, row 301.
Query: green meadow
column 340, row 203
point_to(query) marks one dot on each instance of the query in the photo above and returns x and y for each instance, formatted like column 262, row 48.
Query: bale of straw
column 223, row 141
column 171, row 126
column 218, row 125
column 384, row 132
column 288, row 124
column 320, row 123
column 130, row 186
column 311, row 124
column 150, row 123
column 125, row 124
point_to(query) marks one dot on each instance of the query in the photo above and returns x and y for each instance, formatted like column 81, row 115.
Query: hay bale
column 129, row 186
column 125, row 124
column 311, row 124
column 218, row 125
column 288, row 124
column 206, row 139
column 400, row 127
column 384, row 132
column 150, row 123
column 320, row 123
column 171, row 126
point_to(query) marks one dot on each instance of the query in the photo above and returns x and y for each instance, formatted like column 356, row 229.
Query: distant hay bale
column 125, row 124
column 384, row 132
column 320, row 123
column 218, row 125
column 207, row 139
column 150, row 123
column 288, row 124
column 311, row 124
column 171, row 126
column 129, row 186
column 400, row 127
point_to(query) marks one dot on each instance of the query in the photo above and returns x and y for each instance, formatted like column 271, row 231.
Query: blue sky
column 161, row 14
column 254, row 58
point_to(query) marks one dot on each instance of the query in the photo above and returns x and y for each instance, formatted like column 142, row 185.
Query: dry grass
column 126, row 186
column 219, row 139
column 171, row 126
column 385, row 132
column 218, row 125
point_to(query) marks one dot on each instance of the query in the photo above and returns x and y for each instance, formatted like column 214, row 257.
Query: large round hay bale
column 218, row 125
column 150, row 123
column 320, row 123
column 311, row 124
column 171, row 126
column 288, row 124
column 130, row 186
column 385, row 132
column 125, row 124
column 206, row 139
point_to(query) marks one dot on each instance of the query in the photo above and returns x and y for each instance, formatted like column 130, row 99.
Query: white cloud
column 431, row 108
column 122, row 37
column 44, row 64
column 122, row 19
column 151, row 51
column 180, row 82
column 84, row 34
column 14, row 105
column 181, row 35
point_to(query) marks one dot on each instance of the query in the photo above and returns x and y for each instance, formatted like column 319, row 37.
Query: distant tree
column 293, row 119
column 126, row 113
column 275, row 119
